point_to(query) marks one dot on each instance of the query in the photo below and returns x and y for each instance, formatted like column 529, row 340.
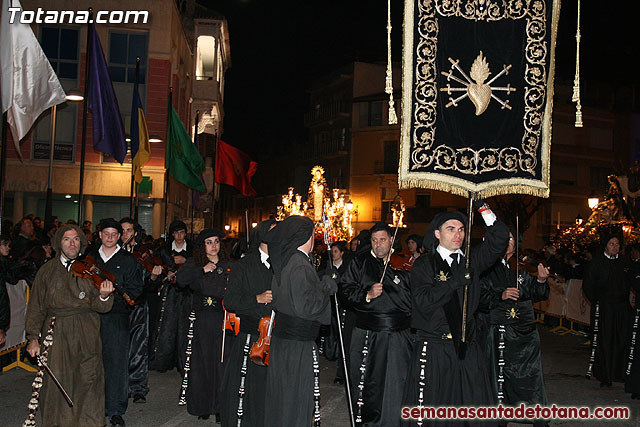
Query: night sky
column 278, row 48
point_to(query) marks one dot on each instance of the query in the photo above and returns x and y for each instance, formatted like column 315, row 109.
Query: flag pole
column 216, row 186
column 3, row 166
column 132, row 193
column 48, row 207
column 85, row 105
column 193, row 194
column 166, row 165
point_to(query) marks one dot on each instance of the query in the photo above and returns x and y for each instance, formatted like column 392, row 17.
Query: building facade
column 167, row 49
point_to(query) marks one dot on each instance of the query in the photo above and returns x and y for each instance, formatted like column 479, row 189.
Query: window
column 423, row 201
column 371, row 114
column 123, row 50
column 390, row 157
column 599, row 178
column 205, row 58
column 60, row 45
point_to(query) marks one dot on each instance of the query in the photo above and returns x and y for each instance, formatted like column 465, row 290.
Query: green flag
column 182, row 159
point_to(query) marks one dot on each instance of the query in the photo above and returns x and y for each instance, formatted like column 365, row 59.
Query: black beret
column 109, row 223
column 209, row 232
column 429, row 242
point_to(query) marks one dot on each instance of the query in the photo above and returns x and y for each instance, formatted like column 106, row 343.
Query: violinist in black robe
column 516, row 372
column 114, row 325
column 170, row 306
column 607, row 282
column 249, row 296
column 301, row 301
column 381, row 342
column 138, row 317
column 206, row 275
column 444, row 370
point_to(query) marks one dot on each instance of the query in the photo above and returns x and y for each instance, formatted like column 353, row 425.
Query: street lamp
column 579, row 220
column 593, row 201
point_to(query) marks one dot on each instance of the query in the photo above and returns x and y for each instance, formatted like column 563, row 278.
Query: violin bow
column 393, row 240
column 347, row 382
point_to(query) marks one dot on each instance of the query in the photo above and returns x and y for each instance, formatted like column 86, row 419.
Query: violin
column 260, row 349
column 232, row 323
column 532, row 268
column 148, row 261
column 88, row 268
column 401, row 262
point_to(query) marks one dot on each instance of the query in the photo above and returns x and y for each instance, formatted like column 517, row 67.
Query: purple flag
column 108, row 130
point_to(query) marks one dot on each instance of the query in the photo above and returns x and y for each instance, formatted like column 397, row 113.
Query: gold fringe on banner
column 448, row 187
column 576, row 80
column 393, row 118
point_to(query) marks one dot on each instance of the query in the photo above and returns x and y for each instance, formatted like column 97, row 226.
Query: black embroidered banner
column 477, row 95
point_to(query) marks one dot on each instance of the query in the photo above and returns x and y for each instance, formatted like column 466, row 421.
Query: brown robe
column 75, row 356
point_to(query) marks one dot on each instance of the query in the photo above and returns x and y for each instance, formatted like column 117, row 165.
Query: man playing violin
column 507, row 296
column 76, row 352
column 248, row 294
column 114, row 329
column 169, row 309
column 138, row 318
column 381, row 341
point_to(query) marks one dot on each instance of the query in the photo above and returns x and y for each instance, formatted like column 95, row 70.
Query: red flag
column 235, row 168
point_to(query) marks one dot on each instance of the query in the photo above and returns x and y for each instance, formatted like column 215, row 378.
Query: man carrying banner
column 448, row 369
column 381, row 342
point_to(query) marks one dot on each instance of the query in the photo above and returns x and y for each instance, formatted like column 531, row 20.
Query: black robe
column 301, row 301
column 607, row 283
column 382, row 325
column 436, row 294
column 115, row 329
column 205, row 376
column 168, row 320
column 522, row 369
column 632, row 384
column 249, row 277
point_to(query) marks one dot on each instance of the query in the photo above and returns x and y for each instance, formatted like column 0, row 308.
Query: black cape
column 304, row 298
column 383, row 326
column 249, row 277
column 168, row 326
column 205, row 376
column 449, row 380
column 607, row 282
column 522, row 370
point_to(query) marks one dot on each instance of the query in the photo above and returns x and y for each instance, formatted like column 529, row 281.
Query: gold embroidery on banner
column 484, row 160
column 480, row 93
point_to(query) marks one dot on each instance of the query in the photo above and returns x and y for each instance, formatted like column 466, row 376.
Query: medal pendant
column 82, row 295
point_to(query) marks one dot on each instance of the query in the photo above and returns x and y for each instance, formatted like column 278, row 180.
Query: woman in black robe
column 248, row 295
column 301, row 301
column 206, row 275
column 516, row 373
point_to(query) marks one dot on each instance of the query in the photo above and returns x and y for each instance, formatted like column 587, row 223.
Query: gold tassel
column 393, row 118
column 576, row 81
